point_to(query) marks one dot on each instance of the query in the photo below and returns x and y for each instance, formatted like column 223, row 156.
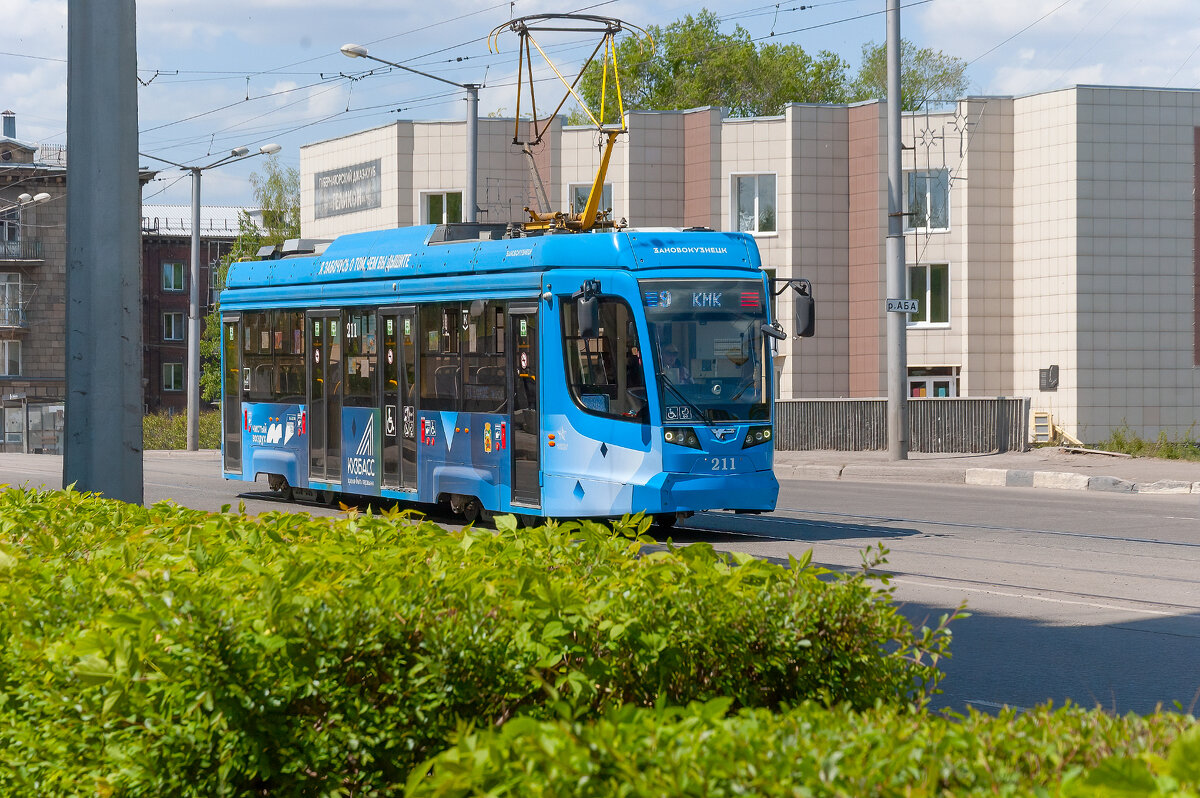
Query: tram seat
column 445, row 380
column 595, row 401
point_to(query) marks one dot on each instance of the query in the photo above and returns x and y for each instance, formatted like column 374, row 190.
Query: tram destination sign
column 348, row 189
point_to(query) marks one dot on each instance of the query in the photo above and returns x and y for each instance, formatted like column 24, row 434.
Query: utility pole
column 103, row 449
column 897, row 320
column 192, row 373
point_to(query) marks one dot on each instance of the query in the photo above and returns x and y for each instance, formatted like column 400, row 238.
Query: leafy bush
column 812, row 750
column 162, row 431
column 166, row 651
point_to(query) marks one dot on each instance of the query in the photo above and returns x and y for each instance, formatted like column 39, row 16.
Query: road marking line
column 1047, row 599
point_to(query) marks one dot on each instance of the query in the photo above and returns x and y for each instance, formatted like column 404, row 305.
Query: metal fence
column 999, row 424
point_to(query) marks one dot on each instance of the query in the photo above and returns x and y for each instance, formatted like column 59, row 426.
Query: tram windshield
column 709, row 349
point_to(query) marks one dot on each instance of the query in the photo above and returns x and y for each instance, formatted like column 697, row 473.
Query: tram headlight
column 681, row 436
column 756, row 436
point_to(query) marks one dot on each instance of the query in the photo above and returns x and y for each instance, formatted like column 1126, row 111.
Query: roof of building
column 216, row 221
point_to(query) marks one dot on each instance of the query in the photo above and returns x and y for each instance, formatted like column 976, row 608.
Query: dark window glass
column 605, row 374
column 361, row 379
column 482, row 344
column 440, row 361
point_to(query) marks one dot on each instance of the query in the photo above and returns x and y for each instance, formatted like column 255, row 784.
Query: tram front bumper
column 756, row 490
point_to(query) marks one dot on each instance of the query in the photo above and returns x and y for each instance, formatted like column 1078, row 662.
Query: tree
column 692, row 64
column 277, row 193
column 926, row 76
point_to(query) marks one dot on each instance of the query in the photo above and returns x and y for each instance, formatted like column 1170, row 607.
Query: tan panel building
column 1051, row 239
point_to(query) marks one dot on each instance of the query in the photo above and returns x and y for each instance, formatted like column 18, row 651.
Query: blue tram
column 572, row 375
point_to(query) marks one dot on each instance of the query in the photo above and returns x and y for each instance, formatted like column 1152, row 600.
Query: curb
column 987, row 477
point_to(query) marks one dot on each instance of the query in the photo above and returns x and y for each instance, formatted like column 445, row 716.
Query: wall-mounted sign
column 348, row 189
column 1048, row 379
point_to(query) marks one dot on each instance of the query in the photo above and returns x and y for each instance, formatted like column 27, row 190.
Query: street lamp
column 358, row 51
column 192, row 375
column 23, row 201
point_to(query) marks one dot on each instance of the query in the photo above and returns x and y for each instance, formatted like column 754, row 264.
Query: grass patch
column 1122, row 439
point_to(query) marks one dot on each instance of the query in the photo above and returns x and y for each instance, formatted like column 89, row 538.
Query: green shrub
column 166, row 651
column 809, row 750
column 163, row 431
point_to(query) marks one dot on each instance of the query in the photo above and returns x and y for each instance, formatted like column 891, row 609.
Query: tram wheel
column 472, row 510
column 279, row 484
column 666, row 521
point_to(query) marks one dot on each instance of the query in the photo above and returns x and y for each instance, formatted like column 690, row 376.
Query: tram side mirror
column 587, row 315
column 775, row 331
column 805, row 311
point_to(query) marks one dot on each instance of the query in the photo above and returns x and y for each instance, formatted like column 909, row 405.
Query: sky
column 220, row 74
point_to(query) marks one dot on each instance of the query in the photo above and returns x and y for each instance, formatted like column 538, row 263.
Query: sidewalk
column 1039, row 468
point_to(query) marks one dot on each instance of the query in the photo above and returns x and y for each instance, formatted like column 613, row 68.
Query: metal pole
column 192, row 375
column 472, row 151
column 897, row 342
column 103, row 447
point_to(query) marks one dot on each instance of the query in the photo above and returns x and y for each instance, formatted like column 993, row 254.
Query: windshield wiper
column 675, row 389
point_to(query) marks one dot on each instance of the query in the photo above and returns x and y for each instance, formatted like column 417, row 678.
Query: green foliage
column 277, row 192
column 165, row 651
column 692, row 63
column 162, row 431
column 1143, row 773
column 810, row 750
column 926, row 76
column 1122, row 439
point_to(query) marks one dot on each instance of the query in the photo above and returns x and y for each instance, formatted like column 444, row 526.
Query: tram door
column 324, row 396
column 398, row 365
column 231, row 401
column 526, row 424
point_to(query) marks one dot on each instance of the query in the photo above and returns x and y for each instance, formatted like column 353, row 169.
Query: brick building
column 32, row 292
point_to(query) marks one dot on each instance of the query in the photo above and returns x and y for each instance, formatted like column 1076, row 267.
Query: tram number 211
column 724, row 463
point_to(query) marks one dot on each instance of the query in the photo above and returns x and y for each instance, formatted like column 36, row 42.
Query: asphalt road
column 1074, row 595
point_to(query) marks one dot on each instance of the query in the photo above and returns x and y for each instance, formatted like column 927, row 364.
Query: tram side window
column 272, row 356
column 258, row 367
column 605, row 374
column 361, row 378
column 482, row 345
column 440, row 361
column 287, row 330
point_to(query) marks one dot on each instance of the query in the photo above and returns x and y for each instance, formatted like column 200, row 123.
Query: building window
column 754, row 204
column 933, row 382
column 929, row 284
column 172, row 326
column 10, row 299
column 10, row 358
column 442, row 207
column 579, row 196
column 10, row 226
column 172, row 376
column 928, row 201
column 172, row 277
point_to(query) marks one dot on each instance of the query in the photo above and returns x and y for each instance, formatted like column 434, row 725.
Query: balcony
column 12, row 317
column 23, row 249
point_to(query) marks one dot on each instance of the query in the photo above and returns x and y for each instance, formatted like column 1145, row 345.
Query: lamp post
column 358, row 51
column 192, row 372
